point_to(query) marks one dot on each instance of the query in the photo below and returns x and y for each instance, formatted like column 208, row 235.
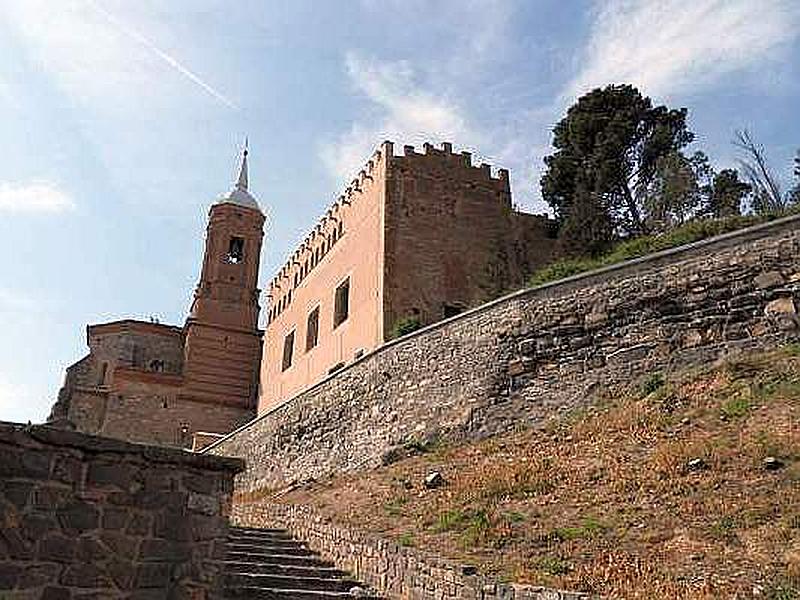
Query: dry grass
column 607, row 499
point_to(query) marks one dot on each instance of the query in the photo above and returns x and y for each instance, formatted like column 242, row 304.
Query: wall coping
column 627, row 267
column 19, row 434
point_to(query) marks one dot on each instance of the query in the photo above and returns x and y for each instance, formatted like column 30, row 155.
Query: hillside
column 687, row 487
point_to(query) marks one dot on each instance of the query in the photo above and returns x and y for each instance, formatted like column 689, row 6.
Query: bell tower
column 222, row 349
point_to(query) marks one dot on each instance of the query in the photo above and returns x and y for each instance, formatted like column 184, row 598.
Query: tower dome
column 240, row 195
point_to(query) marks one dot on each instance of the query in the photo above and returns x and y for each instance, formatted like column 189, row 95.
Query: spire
column 243, row 179
column 240, row 194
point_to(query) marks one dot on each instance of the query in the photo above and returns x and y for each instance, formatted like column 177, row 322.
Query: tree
column 607, row 150
column 677, row 191
column 726, row 195
column 767, row 196
column 794, row 194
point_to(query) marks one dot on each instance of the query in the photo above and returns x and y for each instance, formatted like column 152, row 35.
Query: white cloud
column 35, row 197
column 672, row 46
column 406, row 114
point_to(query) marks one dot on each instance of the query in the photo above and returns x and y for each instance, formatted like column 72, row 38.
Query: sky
column 121, row 121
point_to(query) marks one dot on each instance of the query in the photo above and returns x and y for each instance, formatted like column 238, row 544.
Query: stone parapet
column 394, row 570
column 533, row 354
column 89, row 517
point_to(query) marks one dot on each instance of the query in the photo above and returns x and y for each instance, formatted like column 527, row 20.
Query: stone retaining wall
column 83, row 517
column 525, row 357
column 393, row 570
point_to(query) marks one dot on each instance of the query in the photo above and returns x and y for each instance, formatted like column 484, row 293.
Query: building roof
column 240, row 194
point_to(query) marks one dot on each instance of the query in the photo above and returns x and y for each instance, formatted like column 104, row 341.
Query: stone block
column 9, row 575
column 769, row 279
column 56, row 593
column 141, row 524
column 115, row 518
column 203, row 504
column 79, row 516
column 153, row 575
column 38, row 575
column 57, row 548
column 84, row 575
column 67, row 469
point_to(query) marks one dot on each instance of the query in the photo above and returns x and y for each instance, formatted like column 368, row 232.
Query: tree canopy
column 609, row 149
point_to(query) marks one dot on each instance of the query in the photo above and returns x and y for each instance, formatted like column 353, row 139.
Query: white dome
column 240, row 195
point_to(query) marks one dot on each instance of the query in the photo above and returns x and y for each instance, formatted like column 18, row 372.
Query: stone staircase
column 266, row 564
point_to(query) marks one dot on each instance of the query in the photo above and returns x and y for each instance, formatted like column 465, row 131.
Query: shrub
column 652, row 384
column 405, row 326
column 692, row 231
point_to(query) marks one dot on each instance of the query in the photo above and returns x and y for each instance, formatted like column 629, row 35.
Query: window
column 288, row 351
column 103, row 373
column 312, row 329
column 235, row 250
column 341, row 305
column 451, row 310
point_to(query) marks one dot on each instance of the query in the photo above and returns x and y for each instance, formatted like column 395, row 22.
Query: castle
column 414, row 238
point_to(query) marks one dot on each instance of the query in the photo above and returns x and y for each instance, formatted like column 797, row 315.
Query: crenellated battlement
column 462, row 159
column 325, row 233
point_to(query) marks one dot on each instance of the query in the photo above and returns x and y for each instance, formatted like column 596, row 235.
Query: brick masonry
column 88, row 518
column 527, row 356
column 395, row 571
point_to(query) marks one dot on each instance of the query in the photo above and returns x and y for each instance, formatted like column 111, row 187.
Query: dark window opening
column 312, row 329
column 157, row 365
column 235, row 250
column 451, row 310
column 103, row 372
column 335, row 368
column 341, row 305
column 288, row 351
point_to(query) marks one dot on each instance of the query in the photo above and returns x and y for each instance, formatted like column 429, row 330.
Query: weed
column 478, row 526
column 553, row 565
column 406, row 539
column 792, row 349
column 724, row 529
column 652, row 384
column 735, row 407
column 450, row 520
column 404, row 326
column 590, row 527
column 394, row 507
column 514, row 517
column 782, row 591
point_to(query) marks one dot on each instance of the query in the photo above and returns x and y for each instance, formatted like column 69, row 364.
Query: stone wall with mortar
column 393, row 570
column 83, row 517
column 527, row 356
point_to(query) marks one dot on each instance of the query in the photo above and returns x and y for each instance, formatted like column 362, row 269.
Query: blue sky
column 120, row 122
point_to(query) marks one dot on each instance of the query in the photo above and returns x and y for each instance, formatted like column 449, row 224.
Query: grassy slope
column 605, row 501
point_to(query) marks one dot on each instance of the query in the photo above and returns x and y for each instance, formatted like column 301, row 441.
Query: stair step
column 264, row 546
column 289, row 582
column 266, row 550
column 283, row 559
column 262, row 593
column 266, row 568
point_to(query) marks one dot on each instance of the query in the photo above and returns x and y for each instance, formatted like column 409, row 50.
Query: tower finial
column 242, row 183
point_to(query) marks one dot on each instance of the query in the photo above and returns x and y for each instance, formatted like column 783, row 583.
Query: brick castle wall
column 527, row 356
column 86, row 517
column 395, row 571
column 452, row 238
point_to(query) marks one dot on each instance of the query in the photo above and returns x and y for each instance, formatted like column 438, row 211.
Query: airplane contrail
column 185, row 71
